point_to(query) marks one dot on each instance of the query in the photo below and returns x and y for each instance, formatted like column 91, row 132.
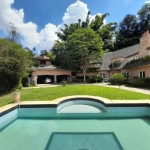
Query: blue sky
column 38, row 20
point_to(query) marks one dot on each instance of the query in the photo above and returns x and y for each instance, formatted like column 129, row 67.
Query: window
column 116, row 64
column 136, row 57
column 142, row 74
column 130, row 59
column 103, row 75
column 126, row 74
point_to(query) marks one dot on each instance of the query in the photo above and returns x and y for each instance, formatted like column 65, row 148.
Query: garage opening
column 60, row 78
column 45, row 79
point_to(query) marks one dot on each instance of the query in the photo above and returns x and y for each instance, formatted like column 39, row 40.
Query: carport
column 56, row 75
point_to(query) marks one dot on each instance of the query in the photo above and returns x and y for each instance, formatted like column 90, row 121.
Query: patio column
column 70, row 78
column 34, row 79
column 55, row 79
column 29, row 80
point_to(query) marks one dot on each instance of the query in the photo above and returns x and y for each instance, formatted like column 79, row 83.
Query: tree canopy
column 132, row 27
column 77, row 51
column 15, row 62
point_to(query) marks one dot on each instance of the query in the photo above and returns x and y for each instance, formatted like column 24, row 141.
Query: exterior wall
column 144, row 44
column 55, row 73
column 87, row 73
column 51, row 72
column 117, row 59
column 135, row 71
column 114, row 71
column 107, row 73
column 48, row 63
column 136, row 56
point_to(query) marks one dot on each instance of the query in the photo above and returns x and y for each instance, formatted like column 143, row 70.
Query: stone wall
column 87, row 74
column 144, row 44
column 51, row 72
column 114, row 71
column 135, row 71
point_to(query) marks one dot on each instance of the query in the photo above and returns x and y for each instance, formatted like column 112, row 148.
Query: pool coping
column 107, row 102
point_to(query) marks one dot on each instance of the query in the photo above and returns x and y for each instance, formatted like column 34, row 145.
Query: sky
column 37, row 21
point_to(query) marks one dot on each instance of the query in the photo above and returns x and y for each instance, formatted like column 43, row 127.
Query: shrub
column 64, row 82
column 95, row 79
column 117, row 79
column 140, row 82
column 14, row 64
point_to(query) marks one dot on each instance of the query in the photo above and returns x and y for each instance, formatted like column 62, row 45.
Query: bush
column 117, row 78
column 95, row 79
column 81, row 78
column 14, row 64
column 64, row 82
column 140, row 82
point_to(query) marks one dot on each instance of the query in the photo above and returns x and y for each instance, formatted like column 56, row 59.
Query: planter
column 16, row 96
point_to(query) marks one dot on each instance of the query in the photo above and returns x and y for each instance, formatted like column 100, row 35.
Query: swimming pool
column 56, row 127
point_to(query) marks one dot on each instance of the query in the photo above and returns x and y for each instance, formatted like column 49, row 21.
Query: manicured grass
column 52, row 93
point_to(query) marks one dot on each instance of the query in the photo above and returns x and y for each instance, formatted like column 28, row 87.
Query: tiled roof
column 125, row 52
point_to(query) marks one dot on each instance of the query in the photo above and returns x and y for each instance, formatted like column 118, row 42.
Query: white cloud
column 26, row 30
column 147, row 2
column 45, row 38
column 48, row 36
column 74, row 12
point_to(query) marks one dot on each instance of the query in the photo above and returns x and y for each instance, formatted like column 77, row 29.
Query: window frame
column 141, row 74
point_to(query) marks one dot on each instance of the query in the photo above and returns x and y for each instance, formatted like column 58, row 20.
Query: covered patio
column 51, row 73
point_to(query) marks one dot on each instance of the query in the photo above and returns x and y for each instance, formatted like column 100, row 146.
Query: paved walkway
column 41, row 86
column 140, row 90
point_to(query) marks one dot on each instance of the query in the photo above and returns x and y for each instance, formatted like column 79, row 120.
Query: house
column 120, row 61
column 44, row 61
column 112, row 62
column 48, row 72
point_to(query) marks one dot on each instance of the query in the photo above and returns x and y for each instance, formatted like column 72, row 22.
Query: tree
column 44, row 53
column 98, row 22
column 15, row 63
column 105, row 31
column 129, row 32
column 64, row 57
column 68, row 30
column 144, row 18
column 108, row 33
column 83, row 44
column 13, row 34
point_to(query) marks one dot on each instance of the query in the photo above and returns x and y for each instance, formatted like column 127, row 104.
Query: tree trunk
column 84, row 74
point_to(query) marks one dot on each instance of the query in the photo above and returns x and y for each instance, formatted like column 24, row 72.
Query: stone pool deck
column 106, row 101
column 58, row 100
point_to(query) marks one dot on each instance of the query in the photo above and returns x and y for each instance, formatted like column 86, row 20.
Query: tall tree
column 144, row 17
column 68, row 30
column 43, row 53
column 128, row 32
column 13, row 34
column 83, row 44
column 98, row 22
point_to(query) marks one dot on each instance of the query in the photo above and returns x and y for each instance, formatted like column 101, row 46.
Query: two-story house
column 118, row 61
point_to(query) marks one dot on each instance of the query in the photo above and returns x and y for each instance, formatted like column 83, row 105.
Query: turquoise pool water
column 76, row 134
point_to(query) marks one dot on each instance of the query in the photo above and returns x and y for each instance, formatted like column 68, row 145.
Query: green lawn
column 52, row 93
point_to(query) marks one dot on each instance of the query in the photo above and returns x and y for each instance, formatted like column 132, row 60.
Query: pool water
column 76, row 134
